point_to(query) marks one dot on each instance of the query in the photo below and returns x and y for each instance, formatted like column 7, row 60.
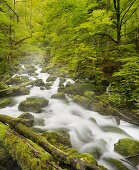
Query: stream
column 89, row 131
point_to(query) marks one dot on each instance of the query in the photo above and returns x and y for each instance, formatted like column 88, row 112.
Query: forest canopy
column 93, row 39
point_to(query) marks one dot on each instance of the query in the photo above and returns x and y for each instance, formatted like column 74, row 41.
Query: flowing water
column 89, row 131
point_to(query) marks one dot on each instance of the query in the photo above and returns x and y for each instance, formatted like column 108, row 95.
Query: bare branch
column 12, row 10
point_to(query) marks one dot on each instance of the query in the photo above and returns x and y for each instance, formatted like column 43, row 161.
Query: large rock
column 129, row 148
column 51, row 78
column 89, row 94
column 39, row 83
column 6, row 102
column 97, row 107
column 28, row 119
column 81, row 100
column 30, row 68
column 58, row 96
column 33, row 104
column 116, row 164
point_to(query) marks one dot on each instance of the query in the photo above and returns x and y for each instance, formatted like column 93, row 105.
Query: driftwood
column 57, row 154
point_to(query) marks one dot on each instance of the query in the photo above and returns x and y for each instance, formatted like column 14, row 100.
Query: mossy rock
column 29, row 119
column 51, row 78
column 3, row 86
column 118, row 165
column 56, row 139
column 89, row 94
column 48, row 84
column 6, row 77
column 15, row 80
column 127, row 147
column 39, row 83
column 6, row 102
column 42, row 88
column 23, row 91
column 68, row 84
column 97, row 107
column 63, row 132
column 62, row 80
column 111, row 111
column 58, row 96
column 81, row 100
column 78, row 88
column 33, row 104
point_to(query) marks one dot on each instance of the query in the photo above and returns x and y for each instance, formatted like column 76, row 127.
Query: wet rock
column 114, row 129
column 97, row 107
column 56, row 139
column 39, row 83
column 89, row 94
column 62, row 80
column 111, row 111
column 47, row 86
column 33, row 104
column 6, row 102
column 51, row 78
column 42, row 88
column 116, row 164
column 15, row 80
column 58, row 96
column 68, row 84
column 23, row 91
column 63, row 132
column 28, row 119
column 78, row 88
column 30, row 68
column 81, row 100
column 129, row 148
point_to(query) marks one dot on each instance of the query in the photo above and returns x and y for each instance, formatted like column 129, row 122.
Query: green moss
column 89, row 94
column 81, row 100
column 117, row 164
column 33, row 104
column 58, row 96
column 39, row 83
column 97, row 107
column 79, row 88
column 5, row 102
column 51, row 78
column 127, row 147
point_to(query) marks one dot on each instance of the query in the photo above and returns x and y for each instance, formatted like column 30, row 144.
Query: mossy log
column 28, row 155
column 57, row 154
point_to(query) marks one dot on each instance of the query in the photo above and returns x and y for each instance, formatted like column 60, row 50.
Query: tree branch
column 129, row 16
column 12, row 10
column 127, row 11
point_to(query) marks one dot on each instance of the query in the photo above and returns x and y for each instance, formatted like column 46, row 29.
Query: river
column 86, row 128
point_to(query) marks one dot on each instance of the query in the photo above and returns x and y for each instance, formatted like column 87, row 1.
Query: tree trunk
column 64, row 158
column 28, row 155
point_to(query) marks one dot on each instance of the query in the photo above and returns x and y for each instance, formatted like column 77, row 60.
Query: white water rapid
column 86, row 128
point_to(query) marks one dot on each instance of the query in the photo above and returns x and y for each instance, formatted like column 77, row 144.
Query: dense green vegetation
column 93, row 39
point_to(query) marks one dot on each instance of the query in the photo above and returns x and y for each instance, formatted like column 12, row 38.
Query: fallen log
column 28, row 154
column 60, row 156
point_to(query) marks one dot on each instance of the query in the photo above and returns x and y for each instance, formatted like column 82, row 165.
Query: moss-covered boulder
column 81, row 100
column 6, row 102
column 68, row 84
column 89, row 94
column 15, row 80
column 116, row 164
column 79, row 88
column 128, row 147
column 97, row 107
column 111, row 111
column 39, row 83
column 62, row 80
column 57, row 140
column 23, row 91
column 42, row 88
column 28, row 119
column 58, row 96
column 51, row 78
column 33, row 104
